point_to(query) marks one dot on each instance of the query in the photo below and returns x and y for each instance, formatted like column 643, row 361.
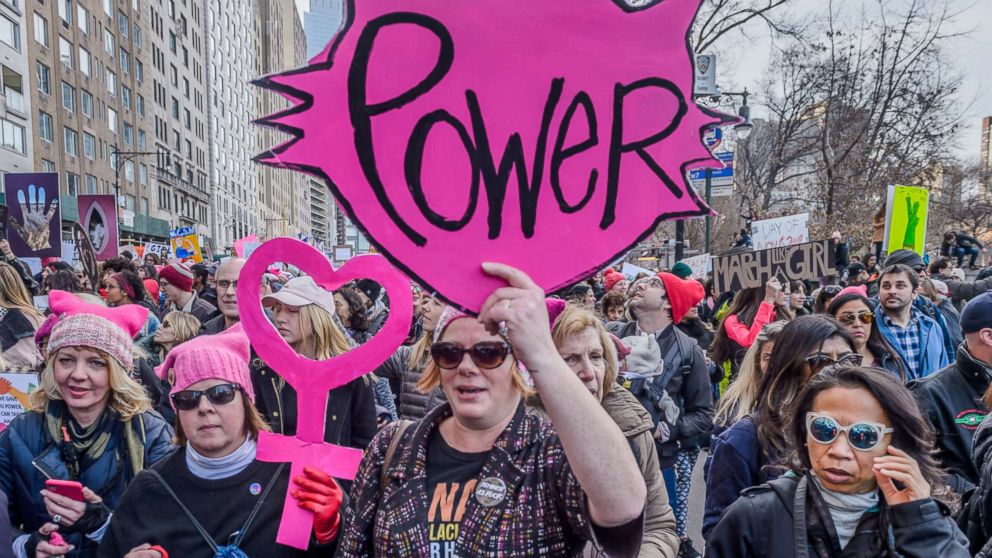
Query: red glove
column 320, row 494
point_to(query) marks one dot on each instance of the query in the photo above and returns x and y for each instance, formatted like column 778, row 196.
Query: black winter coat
column 762, row 523
column 951, row 399
column 976, row 518
column 689, row 386
column 412, row 404
column 351, row 412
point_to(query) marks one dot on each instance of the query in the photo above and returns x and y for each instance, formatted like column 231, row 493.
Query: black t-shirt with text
column 451, row 479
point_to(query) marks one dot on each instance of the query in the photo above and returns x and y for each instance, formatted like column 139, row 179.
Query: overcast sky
column 744, row 59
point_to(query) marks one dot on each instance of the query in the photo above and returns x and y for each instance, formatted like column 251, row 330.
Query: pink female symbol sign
column 312, row 379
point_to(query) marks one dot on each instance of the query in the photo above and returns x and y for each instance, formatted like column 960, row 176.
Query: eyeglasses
column 863, row 436
column 820, row 361
column 647, row 282
column 864, row 317
column 224, row 284
column 487, row 354
column 222, row 394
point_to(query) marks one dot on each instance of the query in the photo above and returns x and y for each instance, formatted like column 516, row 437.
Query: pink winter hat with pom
column 224, row 356
column 82, row 324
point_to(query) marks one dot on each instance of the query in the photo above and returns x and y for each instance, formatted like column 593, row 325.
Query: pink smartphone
column 70, row 489
column 56, row 539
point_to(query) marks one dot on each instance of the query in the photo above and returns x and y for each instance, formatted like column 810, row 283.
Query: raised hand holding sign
column 312, row 379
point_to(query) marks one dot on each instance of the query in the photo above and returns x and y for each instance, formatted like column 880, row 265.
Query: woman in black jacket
column 854, row 312
column 862, row 480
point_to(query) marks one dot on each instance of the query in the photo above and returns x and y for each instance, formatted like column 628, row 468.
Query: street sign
column 713, row 138
column 705, row 82
column 721, row 180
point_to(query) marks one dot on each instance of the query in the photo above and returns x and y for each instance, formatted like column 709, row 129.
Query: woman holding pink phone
column 65, row 463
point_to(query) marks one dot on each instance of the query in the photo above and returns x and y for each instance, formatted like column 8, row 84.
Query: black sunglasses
column 222, row 394
column 487, row 354
column 820, row 361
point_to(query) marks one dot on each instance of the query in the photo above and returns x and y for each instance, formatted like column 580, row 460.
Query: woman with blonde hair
column 176, row 328
column 742, row 394
column 404, row 369
column 18, row 321
column 304, row 318
column 89, row 423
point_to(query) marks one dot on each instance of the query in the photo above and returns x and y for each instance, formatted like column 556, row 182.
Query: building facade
column 322, row 22
column 16, row 131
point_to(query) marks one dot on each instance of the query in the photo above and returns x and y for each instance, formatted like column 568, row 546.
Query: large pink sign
column 551, row 136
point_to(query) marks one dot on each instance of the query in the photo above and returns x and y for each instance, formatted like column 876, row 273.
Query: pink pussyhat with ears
column 860, row 290
column 224, row 356
column 81, row 324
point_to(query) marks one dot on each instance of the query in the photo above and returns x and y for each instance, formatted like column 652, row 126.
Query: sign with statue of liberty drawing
column 906, row 218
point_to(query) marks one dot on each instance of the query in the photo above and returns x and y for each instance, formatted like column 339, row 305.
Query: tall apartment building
column 284, row 195
column 16, row 149
column 322, row 212
column 174, row 108
column 231, row 105
column 322, row 22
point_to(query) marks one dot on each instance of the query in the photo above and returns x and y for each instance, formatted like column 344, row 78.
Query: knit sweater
column 148, row 514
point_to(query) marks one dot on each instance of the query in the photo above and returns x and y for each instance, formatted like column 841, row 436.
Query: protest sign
column 98, row 216
column 444, row 166
column 780, row 231
column 239, row 245
column 745, row 270
column 41, row 303
column 4, row 211
column 69, row 252
column 342, row 253
column 700, row 265
column 312, row 379
column 34, row 223
column 86, row 255
column 630, row 271
column 15, row 389
column 34, row 264
column 186, row 244
column 906, row 212
column 162, row 250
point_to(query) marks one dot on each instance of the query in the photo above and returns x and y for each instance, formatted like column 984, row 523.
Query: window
column 71, row 183
column 141, row 105
column 90, row 184
column 128, row 134
column 86, row 102
column 41, row 30
column 139, row 71
column 125, row 61
column 122, row 24
column 68, row 97
column 89, row 146
column 172, row 42
column 83, row 19
column 70, row 139
column 65, row 51
column 65, row 11
column 143, row 178
column 45, row 130
column 112, row 120
column 175, row 75
column 137, row 35
column 141, row 139
column 13, row 90
column 125, row 97
column 111, row 82
column 84, row 61
column 144, row 206
column 44, row 79
column 10, row 33
column 47, row 166
column 108, row 42
column 129, row 174
column 129, row 200
column 108, row 7
column 175, row 108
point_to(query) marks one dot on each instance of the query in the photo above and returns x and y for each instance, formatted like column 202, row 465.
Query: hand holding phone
column 70, row 489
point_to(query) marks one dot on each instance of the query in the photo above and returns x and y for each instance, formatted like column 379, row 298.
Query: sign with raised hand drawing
column 34, row 224
column 452, row 143
column 907, row 209
column 313, row 379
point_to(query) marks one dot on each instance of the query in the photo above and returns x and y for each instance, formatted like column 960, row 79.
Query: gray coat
column 413, row 405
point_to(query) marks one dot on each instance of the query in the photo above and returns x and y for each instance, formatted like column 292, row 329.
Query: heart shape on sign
column 526, row 140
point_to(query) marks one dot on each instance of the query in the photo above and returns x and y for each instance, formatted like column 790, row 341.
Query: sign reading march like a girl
column 534, row 134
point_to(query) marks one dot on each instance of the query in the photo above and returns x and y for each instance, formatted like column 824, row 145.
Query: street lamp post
column 120, row 157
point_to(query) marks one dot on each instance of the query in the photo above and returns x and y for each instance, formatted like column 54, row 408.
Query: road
column 697, row 493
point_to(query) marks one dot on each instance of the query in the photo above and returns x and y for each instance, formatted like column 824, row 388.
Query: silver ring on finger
column 57, row 518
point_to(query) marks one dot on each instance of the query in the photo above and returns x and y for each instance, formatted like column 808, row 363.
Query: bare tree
column 716, row 18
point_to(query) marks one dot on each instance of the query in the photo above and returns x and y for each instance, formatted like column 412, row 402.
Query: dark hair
column 876, row 343
column 823, row 298
column 201, row 272
column 359, row 320
column 153, row 256
column 577, row 291
column 912, row 433
column 611, row 300
column 797, row 284
column 745, row 307
column 128, row 255
column 63, row 280
column 150, row 271
column 895, row 269
column 785, row 375
column 59, row 265
column 117, row 265
column 939, row 265
column 137, row 286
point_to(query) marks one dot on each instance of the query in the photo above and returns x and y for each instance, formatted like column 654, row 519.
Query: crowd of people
column 837, row 417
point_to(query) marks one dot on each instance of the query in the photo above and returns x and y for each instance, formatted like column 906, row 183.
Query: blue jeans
column 962, row 251
column 671, row 486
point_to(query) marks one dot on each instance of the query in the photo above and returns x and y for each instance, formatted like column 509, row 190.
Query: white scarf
column 213, row 468
column 846, row 509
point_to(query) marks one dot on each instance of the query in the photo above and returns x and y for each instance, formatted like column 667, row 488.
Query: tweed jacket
column 543, row 514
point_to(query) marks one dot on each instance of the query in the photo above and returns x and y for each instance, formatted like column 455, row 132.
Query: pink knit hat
column 224, row 356
column 81, row 324
column 555, row 307
column 859, row 290
column 45, row 329
column 178, row 275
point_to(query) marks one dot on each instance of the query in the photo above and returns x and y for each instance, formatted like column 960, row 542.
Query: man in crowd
column 227, row 297
column 201, row 283
column 176, row 280
column 952, row 398
column 842, row 253
column 659, row 302
column 916, row 337
column 958, row 290
column 957, row 244
column 369, row 291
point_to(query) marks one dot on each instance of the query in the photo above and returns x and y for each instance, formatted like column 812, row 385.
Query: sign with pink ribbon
column 312, row 379
column 535, row 134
